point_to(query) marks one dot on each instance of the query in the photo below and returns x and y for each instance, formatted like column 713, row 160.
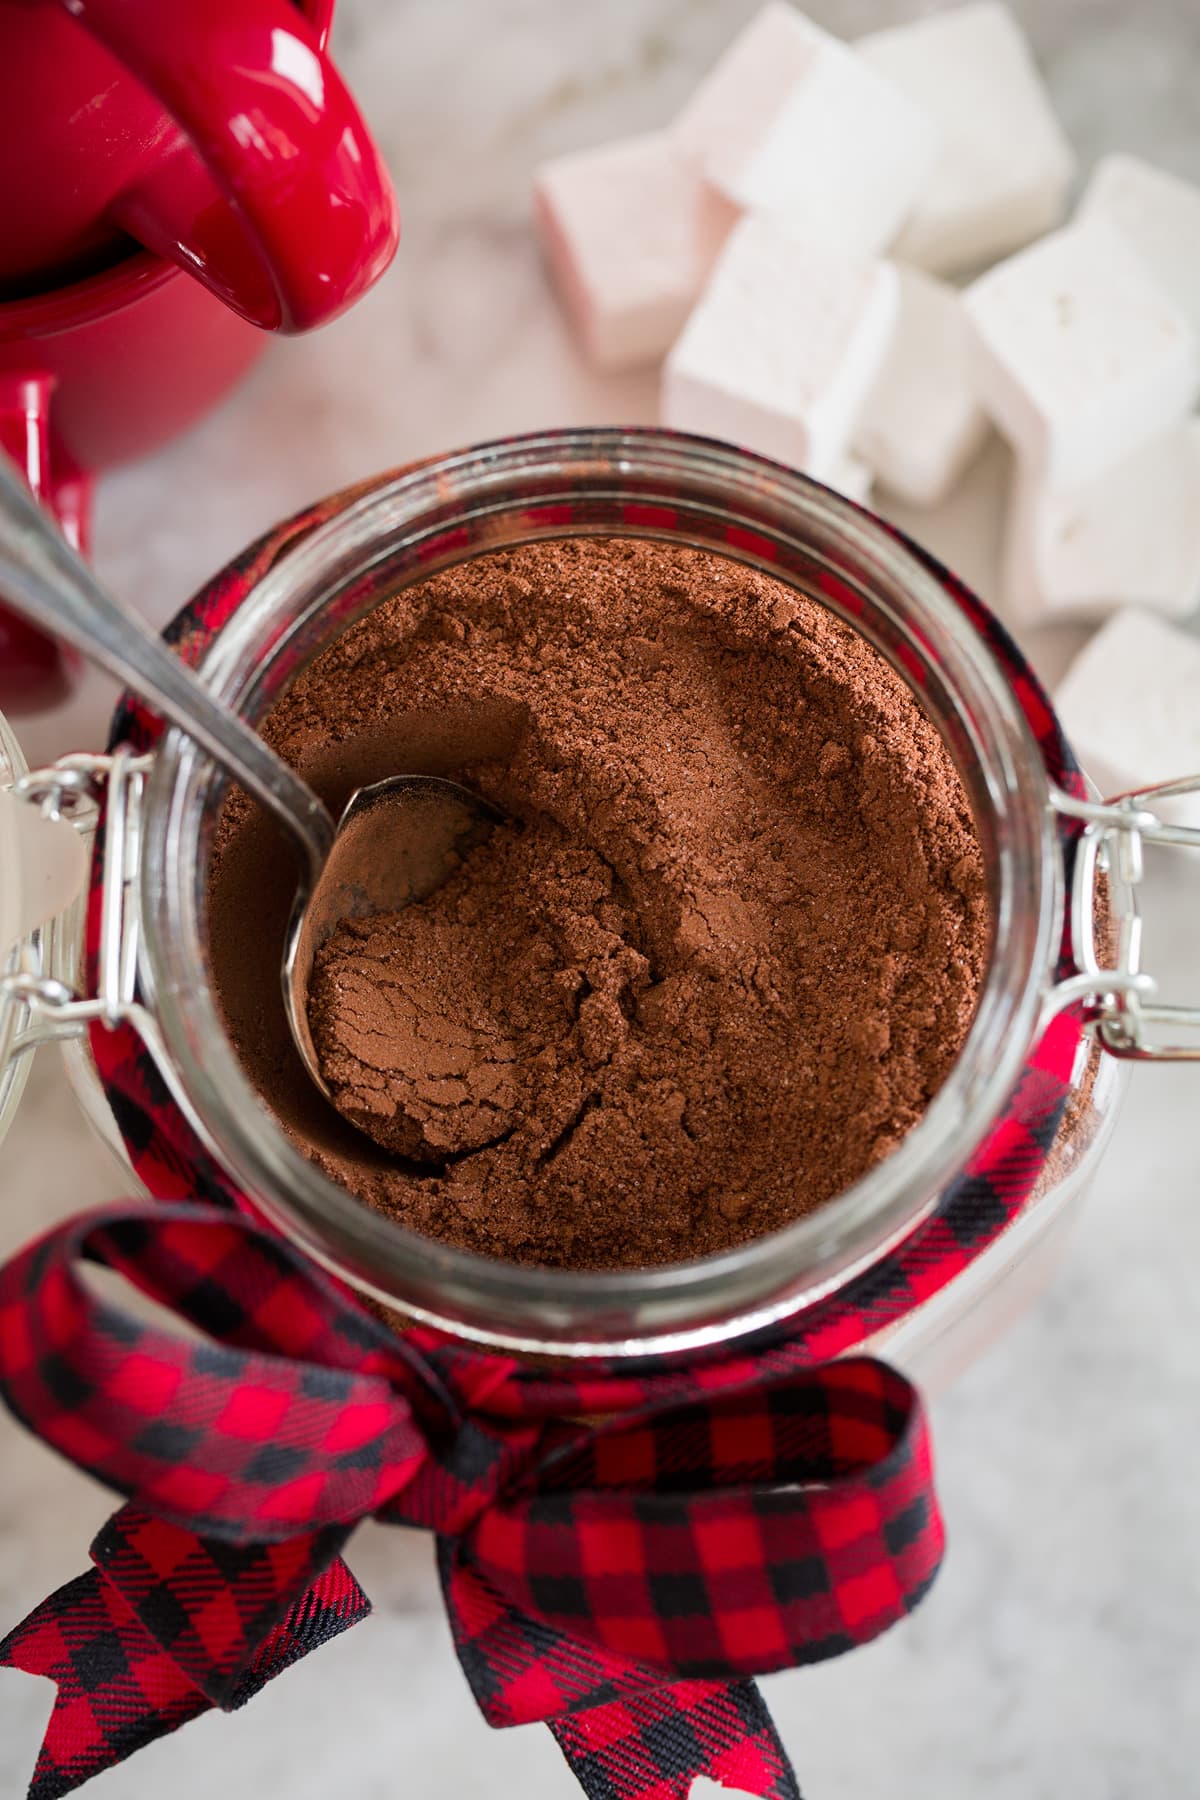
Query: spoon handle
column 43, row 579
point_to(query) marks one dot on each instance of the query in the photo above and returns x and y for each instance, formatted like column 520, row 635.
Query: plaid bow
column 621, row 1579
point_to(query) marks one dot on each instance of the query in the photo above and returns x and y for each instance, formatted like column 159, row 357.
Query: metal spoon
column 395, row 842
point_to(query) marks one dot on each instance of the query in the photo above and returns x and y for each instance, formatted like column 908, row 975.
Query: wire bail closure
column 1121, row 1001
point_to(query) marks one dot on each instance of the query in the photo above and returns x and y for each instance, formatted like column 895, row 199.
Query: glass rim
column 679, row 1306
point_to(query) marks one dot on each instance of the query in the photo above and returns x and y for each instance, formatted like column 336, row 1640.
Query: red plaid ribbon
column 621, row 1578
column 756, row 1508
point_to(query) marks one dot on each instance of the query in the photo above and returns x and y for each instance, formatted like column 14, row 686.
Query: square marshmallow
column 783, row 348
column 1131, row 537
column 1004, row 167
column 923, row 422
column 1081, row 357
column 1160, row 216
column 854, row 479
column 753, row 80
column 791, row 121
column 1130, row 705
column 630, row 231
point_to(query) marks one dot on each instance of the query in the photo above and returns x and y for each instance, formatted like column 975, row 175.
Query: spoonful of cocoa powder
column 441, row 1028
column 397, row 842
column 410, row 1042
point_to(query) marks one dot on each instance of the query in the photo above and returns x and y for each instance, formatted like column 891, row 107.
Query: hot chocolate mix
column 713, row 968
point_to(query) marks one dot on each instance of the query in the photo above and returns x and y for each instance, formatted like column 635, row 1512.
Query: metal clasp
column 1120, row 997
column 40, row 997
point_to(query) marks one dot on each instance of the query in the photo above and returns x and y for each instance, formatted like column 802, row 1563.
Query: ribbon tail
column 654, row 1745
column 626, row 1732
column 231, row 1616
column 119, row 1689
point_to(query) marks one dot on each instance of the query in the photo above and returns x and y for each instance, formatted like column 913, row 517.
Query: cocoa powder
column 715, row 967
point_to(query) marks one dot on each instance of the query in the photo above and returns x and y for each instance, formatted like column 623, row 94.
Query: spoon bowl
column 396, row 843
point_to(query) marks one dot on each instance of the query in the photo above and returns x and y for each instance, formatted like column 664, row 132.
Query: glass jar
column 934, row 1341
column 265, row 618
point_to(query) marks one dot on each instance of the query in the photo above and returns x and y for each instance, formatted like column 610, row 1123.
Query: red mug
column 95, row 374
column 216, row 133
column 282, row 211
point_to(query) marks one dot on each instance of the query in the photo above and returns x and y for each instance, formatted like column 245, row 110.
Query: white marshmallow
column 1080, row 356
column 783, row 348
column 630, row 231
column 723, row 122
column 1160, row 216
column 923, row 422
column 1004, row 167
column 854, row 479
column 1130, row 706
column 1131, row 537
column 792, row 122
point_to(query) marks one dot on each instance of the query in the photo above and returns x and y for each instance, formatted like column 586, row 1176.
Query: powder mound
column 714, row 971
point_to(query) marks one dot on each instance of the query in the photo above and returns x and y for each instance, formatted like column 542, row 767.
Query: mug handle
column 35, row 671
column 302, row 219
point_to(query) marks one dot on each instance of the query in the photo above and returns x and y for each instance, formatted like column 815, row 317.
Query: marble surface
column 1058, row 1653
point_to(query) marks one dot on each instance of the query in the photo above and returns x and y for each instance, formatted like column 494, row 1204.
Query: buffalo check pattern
column 620, row 1579
column 752, row 1508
